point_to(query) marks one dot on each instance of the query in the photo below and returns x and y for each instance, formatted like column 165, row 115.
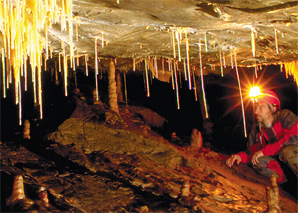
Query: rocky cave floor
column 98, row 161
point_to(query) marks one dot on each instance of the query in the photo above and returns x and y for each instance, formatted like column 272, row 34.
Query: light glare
column 254, row 92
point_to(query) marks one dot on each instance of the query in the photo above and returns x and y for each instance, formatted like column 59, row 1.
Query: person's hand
column 231, row 160
column 255, row 157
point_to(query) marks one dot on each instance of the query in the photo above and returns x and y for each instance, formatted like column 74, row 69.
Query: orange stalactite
column 187, row 58
column 291, row 68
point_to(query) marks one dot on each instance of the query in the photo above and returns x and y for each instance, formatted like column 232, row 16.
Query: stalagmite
column 119, row 87
column 95, row 101
column 113, row 100
column 26, row 130
column 185, row 189
column 18, row 201
column 43, row 196
column 196, row 140
column 273, row 196
column 125, row 87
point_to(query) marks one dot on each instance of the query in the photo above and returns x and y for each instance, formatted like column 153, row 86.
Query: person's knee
column 290, row 153
column 263, row 162
column 290, row 156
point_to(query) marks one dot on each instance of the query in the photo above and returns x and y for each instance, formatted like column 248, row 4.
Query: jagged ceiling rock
column 143, row 28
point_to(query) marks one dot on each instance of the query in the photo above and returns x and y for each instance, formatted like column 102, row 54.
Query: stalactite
column 187, row 58
column 202, row 81
column 221, row 68
column 125, row 87
column 146, row 78
column 241, row 99
column 174, row 45
column 194, row 83
column 21, row 24
column 184, row 66
column 256, row 70
column 206, row 44
column 96, row 68
column 178, row 45
column 172, row 74
column 176, row 86
column 20, row 103
column 156, row 66
column 232, row 63
column 253, row 43
column 86, row 64
column 134, row 65
column 276, row 41
column 4, row 76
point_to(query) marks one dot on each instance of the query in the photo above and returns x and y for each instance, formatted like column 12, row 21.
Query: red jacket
column 284, row 131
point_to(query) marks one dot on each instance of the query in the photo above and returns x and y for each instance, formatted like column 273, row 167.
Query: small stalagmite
column 43, row 196
column 26, row 130
column 18, row 201
column 95, row 101
column 273, row 196
column 185, row 189
column 196, row 140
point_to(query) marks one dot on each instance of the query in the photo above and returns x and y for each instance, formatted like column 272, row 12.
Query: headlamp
column 254, row 93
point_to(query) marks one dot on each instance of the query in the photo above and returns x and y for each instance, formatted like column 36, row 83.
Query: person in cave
column 273, row 139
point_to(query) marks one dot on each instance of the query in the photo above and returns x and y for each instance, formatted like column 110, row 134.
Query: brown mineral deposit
column 196, row 140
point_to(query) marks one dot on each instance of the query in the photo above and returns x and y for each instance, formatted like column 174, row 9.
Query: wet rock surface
column 90, row 165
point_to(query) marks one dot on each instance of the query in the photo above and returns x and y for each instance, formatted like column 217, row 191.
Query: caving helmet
column 270, row 97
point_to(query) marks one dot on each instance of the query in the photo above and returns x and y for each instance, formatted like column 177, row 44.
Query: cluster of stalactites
column 291, row 68
column 21, row 23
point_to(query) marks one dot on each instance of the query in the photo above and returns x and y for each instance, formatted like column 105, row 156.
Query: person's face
column 263, row 112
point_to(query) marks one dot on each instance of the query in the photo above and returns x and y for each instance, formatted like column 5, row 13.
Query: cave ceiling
column 145, row 28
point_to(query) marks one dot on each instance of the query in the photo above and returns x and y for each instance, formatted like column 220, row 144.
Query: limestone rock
column 148, row 116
